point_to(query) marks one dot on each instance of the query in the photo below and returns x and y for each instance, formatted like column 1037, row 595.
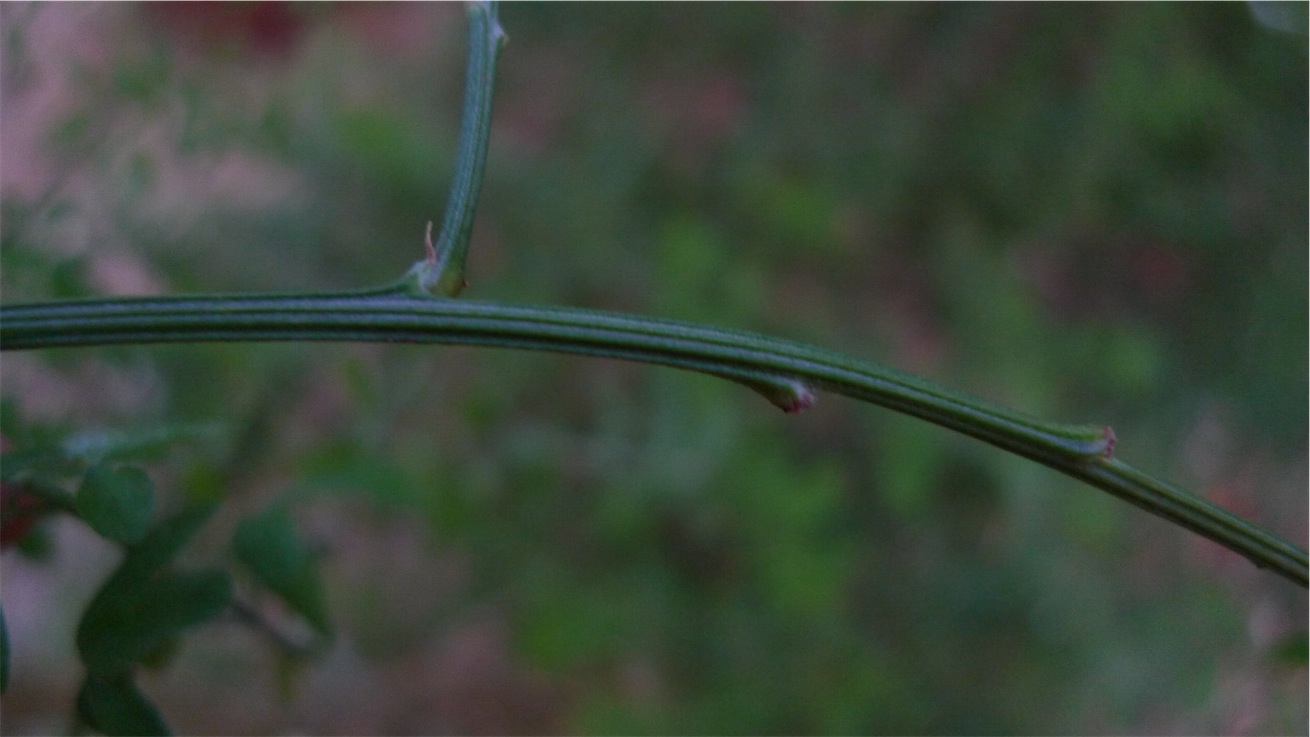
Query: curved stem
column 395, row 314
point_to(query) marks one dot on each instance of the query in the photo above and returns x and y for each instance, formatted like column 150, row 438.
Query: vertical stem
column 485, row 39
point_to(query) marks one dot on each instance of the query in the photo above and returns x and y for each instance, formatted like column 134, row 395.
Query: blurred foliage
column 1092, row 213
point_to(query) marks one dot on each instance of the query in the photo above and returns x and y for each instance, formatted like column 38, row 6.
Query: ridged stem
column 396, row 314
column 445, row 267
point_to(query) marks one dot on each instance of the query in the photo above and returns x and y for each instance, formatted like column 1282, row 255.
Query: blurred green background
column 1094, row 213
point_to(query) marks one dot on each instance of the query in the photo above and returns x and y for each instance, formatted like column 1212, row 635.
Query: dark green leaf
column 111, row 703
column 158, row 548
column 138, row 623
column 162, row 655
column 136, row 591
column 38, row 545
column 269, row 546
column 117, row 503
column 18, row 464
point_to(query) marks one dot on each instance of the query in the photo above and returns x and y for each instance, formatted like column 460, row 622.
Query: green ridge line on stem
column 444, row 268
column 408, row 318
column 391, row 315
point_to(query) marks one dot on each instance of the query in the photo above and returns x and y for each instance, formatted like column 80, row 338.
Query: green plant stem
column 445, row 268
column 398, row 314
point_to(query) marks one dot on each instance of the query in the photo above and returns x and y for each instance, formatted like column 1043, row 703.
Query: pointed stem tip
column 1110, row 440
column 787, row 394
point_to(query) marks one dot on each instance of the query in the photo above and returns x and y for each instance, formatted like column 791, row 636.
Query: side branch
column 445, row 267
